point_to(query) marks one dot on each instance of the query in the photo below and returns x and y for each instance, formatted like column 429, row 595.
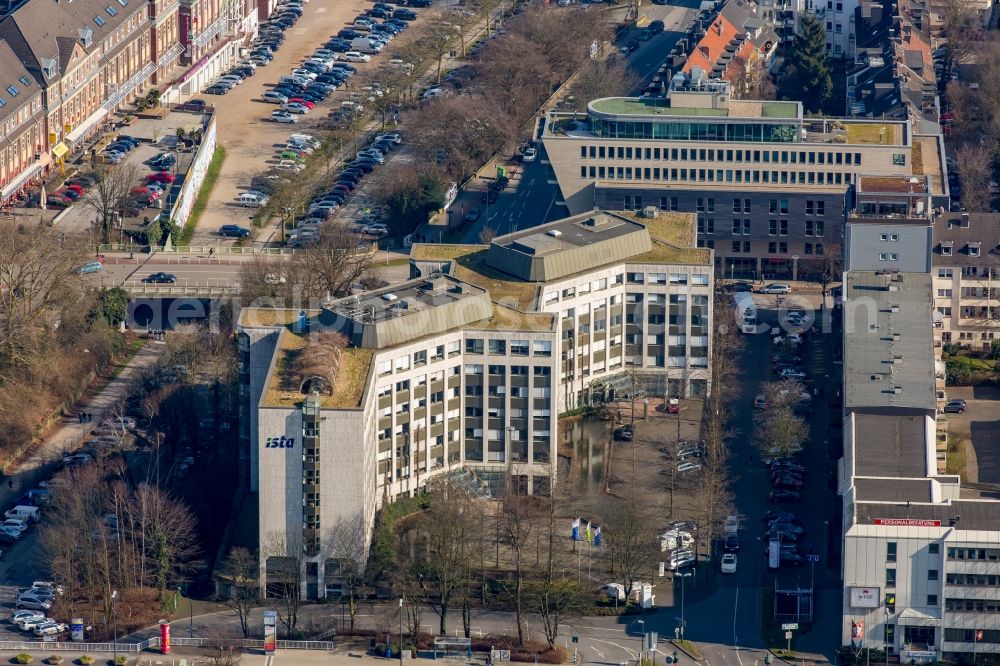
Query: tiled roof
column 712, row 46
column 982, row 232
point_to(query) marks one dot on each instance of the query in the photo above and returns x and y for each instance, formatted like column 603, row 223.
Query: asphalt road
column 533, row 196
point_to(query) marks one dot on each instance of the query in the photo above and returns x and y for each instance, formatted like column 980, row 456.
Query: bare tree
column 961, row 26
column 632, row 548
column 461, row 134
column 486, row 11
column 975, row 169
column 242, row 571
column 779, row 433
column 608, row 77
column 516, row 520
column 111, row 194
column 284, row 568
column 347, row 545
column 440, row 38
column 553, row 595
column 751, row 80
column 487, row 234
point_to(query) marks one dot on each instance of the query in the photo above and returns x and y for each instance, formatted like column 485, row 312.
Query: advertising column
column 270, row 631
column 164, row 637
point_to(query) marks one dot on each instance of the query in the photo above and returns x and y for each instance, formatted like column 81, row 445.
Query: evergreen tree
column 807, row 77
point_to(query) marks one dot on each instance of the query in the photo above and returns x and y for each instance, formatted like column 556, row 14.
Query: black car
column 243, row 71
column 404, row 15
column 420, row 3
column 334, row 195
column 365, row 165
column 331, row 78
column 343, row 66
column 348, row 33
column 338, row 45
column 233, row 231
column 378, row 13
column 216, row 90
column 737, row 287
column 352, row 175
column 732, row 544
column 160, row 278
column 784, row 496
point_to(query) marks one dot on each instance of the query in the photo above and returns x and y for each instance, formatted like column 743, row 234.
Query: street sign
column 812, row 558
column 791, row 626
column 788, row 635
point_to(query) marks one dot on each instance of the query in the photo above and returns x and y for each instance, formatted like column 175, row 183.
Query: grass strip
column 204, row 192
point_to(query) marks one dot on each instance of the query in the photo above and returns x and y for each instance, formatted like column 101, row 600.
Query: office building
column 462, row 370
column 920, row 550
column 769, row 186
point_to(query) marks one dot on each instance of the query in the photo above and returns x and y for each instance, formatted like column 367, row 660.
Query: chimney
column 965, row 220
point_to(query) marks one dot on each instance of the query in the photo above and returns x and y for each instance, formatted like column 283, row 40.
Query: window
column 932, row 574
column 890, row 551
column 438, row 353
column 99, row 21
column 946, row 250
column 945, row 273
column 419, row 358
column 932, row 600
column 474, row 346
column 934, row 549
column 519, row 347
column 473, row 369
column 498, row 347
column 542, row 347
column 890, row 578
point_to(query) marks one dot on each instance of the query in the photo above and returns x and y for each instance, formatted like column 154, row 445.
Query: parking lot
column 979, row 428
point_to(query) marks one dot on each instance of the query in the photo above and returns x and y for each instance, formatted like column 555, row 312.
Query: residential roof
column 882, row 489
column 888, row 361
column 14, row 77
column 720, row 43
column 964, row 234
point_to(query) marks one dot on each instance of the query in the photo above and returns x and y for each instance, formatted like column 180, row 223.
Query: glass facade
column 689, row 130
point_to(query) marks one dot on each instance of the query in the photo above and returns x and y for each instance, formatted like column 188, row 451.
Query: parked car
column 233, row 231
column 956, row 406
column 91, row 267
column 530, row 154
column 274, row 97
column 33, row 602
column 281, row 116
column 775, row 289
column 356, row 56
column 780, row 495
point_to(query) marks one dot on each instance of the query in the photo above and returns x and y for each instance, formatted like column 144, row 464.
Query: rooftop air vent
column 389, row 298
column 555, row 233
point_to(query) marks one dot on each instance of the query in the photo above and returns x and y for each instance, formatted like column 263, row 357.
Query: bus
column 746, row 312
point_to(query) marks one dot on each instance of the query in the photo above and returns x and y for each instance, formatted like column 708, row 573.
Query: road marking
column 599, row 653
column 630, row 651
column 736, row 644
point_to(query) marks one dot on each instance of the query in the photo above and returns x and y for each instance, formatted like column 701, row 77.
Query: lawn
column 871, row 133
column 211, row 176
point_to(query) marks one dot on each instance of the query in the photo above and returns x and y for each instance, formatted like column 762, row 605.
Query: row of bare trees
column 102, row 535
column 52, row 329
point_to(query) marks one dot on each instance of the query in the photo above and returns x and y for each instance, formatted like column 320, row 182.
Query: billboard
column 270, row 631
column 865, row 597
column 907, row 522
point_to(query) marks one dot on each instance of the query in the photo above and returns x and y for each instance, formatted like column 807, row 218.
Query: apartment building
column 966, row 268
column 22, row 125
column 461, row 370
column 211, row 33
column 920, row 550
column 769, row 186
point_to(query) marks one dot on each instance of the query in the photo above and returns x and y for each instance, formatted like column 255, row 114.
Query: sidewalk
column 69, row 434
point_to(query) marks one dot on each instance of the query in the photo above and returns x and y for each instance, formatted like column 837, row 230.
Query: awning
column 86, row 125
column 14, row 186
column 60, row 149
column 915, row 618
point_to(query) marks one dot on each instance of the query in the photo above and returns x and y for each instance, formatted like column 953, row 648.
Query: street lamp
column 114, row 613
column 642, row 641
column 682, row 576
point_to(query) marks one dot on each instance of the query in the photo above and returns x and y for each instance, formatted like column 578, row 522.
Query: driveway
column 981, row 425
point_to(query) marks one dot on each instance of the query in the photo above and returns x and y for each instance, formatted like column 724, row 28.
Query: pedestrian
column 10, row 483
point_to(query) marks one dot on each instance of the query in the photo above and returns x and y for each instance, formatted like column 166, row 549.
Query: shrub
column 121, row 660
column 55, row 659
column 86, row 660
column 24, row 658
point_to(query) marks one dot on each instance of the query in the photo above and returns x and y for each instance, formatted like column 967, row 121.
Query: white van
column 29, row 514
column 253, row 199
column 366, row 45
column 294, row 78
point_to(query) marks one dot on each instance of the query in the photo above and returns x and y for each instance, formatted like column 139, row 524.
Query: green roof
column 779, row 110
column 637, row 106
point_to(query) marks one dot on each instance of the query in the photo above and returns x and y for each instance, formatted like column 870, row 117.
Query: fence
column 200, row 249
column 154, row 643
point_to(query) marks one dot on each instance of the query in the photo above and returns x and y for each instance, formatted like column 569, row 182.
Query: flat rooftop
column 892, row 184
column 888, row 358
column 971, row 515
column 869, row 489
column 654, row 107
column 404, row 299
column 891, row 445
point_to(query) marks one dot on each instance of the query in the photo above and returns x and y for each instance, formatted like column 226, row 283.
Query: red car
column 76, row 188
column 161, row 177
column 303, row 102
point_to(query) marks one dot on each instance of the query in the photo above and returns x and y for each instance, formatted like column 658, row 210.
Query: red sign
column 907, row 522
column 164, row 637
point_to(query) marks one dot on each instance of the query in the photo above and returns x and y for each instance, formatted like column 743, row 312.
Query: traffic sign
column 788, row 635
column 791, row 626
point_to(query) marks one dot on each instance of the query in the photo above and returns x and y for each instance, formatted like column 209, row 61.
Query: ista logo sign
column 279, row 442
